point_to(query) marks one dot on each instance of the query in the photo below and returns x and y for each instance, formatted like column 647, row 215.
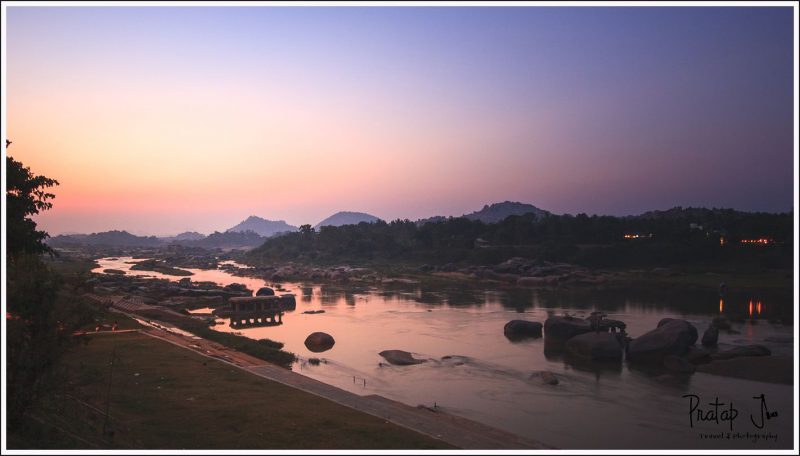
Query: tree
column 26, row 195
column 42, row 312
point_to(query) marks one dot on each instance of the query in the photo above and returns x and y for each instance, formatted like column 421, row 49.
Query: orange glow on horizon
column 751, row 308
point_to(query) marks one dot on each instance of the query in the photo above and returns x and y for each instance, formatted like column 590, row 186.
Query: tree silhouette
column 26, row 195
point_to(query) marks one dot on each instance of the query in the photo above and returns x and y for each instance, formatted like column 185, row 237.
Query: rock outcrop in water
column 318, row 342
column 521, row 329
column 265, row 291
column 745, row 350
column 595, row 347
column 400, row 357
column 710, row 337
column 671, row 337
column 566, row 327
column 678, row 364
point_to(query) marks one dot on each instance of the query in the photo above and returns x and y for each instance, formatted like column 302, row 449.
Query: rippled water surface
column 489, row 378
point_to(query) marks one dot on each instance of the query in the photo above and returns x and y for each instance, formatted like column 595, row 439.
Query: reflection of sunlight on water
column 489, row 378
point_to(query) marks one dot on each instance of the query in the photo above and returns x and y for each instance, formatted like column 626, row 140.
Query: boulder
column 564, row 328
column 288, row 301
column 696, row 355
column 710, row 336
column 236, row 287
column 671, row 337
column 400, row 357
column 780, row 339
column 265, row 291
column 745, row 350
column 319, row 342
column 721, row 322
column 692, row 329
column 606, row 325
column 595, row 346
column 678, row 364
column 546, row 377
column 517, row 329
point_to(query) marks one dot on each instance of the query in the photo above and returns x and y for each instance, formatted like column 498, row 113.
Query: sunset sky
column 159, row 120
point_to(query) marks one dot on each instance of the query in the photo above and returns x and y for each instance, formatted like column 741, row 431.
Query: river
column 487, row 377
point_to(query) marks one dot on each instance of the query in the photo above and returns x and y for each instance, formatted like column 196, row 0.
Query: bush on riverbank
column 265, row 349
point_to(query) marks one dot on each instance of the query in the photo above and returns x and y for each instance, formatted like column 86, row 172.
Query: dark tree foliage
column 669, row 237
column 43, row 308
column 26, row 195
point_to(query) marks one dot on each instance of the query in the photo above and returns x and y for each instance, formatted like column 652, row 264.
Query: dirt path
column 454, row 430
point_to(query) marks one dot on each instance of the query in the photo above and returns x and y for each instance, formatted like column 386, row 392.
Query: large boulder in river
column 319, row 342
column 744, row 350
column 288, row 302
column 595, row 347
column 400, row 357
column 692, row 330
column 564, row 328
column 265, row 291
column 671, row 337
column 678, row 365
column 721, row 322
column 609, row 325
column 518, row 329
column 697, row 355
column 710, row 336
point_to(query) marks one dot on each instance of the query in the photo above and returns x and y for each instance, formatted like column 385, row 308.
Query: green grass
column 165, row 397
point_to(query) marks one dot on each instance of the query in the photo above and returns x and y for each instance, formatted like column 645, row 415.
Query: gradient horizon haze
column 158, row 120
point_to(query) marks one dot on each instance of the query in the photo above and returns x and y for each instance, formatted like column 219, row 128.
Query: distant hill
column 498, row 212
column 106, row 238
column 185, row 236
column 346, row 218
column 494, row 213
column 262, row 227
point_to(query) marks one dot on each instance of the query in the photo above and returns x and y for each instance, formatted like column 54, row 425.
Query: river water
column 488, row 378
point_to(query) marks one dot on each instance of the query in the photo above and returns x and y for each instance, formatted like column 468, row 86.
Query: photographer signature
column 720, row 413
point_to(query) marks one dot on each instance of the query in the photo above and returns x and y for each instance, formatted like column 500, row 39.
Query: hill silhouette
column 346, row 218
column 262, row 227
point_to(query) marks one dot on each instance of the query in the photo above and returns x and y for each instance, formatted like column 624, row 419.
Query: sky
column 159, row 120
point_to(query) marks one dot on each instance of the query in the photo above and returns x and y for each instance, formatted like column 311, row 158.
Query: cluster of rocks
column 527, row 272
column 307, row 272
column 671, row 345
column 181, row 256
column 183, row 294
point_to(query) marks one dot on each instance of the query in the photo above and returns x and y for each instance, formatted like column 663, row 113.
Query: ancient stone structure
column 256, row 311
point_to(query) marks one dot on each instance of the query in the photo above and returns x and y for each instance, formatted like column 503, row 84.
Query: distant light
column 762, row 241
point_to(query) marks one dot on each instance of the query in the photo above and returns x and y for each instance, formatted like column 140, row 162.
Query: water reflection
column 473, row 370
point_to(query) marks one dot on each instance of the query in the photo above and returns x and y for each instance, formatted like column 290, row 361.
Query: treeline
column 664, row 237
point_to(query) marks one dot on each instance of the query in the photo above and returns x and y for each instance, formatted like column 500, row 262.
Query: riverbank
column 165, row 397
column 527, row 273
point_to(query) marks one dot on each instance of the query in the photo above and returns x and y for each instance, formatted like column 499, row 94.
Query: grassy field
column 165, row 397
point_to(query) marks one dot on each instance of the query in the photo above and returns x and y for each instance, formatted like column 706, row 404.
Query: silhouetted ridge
column 346, row 218
column 263, row 227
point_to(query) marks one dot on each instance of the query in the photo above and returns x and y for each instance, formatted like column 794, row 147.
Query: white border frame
column 793, row 5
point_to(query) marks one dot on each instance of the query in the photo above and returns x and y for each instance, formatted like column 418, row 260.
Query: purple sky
column 160, row 120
